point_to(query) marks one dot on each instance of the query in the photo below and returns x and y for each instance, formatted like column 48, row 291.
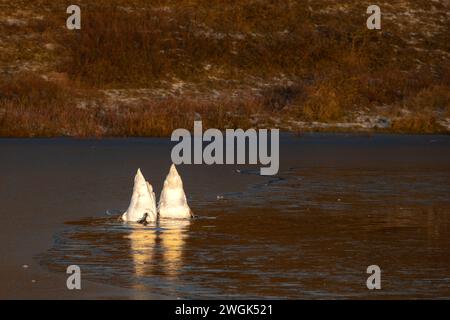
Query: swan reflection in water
column 158, row 249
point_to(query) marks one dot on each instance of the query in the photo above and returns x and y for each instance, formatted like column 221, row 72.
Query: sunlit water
column 309, row 232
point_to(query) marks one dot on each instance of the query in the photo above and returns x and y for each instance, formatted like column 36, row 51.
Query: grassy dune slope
column 144, row 68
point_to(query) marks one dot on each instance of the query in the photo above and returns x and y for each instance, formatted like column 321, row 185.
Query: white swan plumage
column 143, row 202
column 172, row 202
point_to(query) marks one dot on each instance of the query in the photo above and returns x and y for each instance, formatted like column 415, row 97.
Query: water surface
column 339, row 204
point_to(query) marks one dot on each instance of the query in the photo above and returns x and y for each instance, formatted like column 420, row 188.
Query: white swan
column 173, row 203
column 143, row 202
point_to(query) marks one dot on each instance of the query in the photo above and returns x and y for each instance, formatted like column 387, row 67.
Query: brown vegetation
column 282, row 60
column 32, row 106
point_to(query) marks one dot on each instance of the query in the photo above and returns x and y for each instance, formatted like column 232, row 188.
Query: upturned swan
column 172, row 202
column 143, row 202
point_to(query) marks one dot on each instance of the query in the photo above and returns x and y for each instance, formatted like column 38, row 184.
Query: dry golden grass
column 423, row 123
column 331, row 65
column 52, row 109
column 32, row 106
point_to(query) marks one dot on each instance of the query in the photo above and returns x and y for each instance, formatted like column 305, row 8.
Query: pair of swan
column 172, row 202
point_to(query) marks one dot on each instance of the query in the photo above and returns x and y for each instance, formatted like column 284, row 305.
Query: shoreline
column 282, row 132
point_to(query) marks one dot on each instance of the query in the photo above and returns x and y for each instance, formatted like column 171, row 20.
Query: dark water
column 339, row 204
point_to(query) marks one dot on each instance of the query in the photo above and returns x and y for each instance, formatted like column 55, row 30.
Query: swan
column 172, row 202
column 143, row 202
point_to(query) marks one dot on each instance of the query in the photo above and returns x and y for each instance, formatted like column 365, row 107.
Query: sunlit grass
column 329, row 63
